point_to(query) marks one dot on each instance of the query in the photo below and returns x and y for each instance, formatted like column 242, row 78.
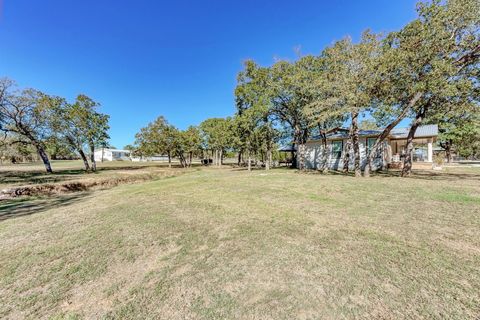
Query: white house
column 106, row 154
column 392, row 151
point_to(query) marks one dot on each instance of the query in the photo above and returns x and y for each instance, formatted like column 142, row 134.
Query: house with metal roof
column 391, row 152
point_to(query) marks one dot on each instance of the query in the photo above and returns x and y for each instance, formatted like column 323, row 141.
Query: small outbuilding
column 107, row 154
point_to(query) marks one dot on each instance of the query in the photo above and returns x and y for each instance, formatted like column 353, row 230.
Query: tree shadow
column 36, row 177
column 416, row 174
column 20, row 207
column 430, row 175
column 18, row 177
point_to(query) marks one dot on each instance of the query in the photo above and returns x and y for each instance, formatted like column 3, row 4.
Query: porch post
column 430, row 151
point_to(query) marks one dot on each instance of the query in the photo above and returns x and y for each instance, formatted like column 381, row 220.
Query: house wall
column 314, row 156
column 107, row 155
column 110, row 155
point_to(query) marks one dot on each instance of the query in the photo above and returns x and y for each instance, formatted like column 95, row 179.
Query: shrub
column 439, row 160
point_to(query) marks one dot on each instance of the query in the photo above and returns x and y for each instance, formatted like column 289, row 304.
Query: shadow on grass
column 258, row 168
column 430, row 175
column 27, row 206
column 34, row 177
column 17, row 177
column 416, row 174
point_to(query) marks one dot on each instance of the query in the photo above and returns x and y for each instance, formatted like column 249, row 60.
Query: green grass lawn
column 229, row 244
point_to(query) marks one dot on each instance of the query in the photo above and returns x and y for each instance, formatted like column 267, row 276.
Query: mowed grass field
column 229, row 244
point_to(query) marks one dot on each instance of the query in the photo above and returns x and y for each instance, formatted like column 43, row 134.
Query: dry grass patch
column 29, row 180
column 225, row 244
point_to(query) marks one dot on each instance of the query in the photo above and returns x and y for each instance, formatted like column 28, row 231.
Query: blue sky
column 145, row 58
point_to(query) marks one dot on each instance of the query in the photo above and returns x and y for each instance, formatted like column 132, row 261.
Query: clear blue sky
column 145, row 58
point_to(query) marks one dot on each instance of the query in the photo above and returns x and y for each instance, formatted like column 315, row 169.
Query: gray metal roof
column 430, row 130
column 287, row 148
column 344, row 135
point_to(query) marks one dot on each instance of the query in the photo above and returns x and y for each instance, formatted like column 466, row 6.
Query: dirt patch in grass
column 86, row 184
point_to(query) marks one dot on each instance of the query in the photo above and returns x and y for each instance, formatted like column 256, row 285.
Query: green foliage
column 49, row 123
column 217, row 133
column 369, row 124
column 154, row 138
column 161, row 138
column 22, row 114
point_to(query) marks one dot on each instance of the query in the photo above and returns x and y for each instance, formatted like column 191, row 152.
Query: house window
column 337, row 147
column 370, row 143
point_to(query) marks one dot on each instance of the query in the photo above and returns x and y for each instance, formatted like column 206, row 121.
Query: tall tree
column 459, row 126
column 68, row 123
column 349, row 80
column 254, row 125
column 289, row 97
column 430, row 59
column 94, row 125
column 158, row 138
column 23, row 115
column 192, row 142
column 446, row 33
column 217, row 137
column 322, row 113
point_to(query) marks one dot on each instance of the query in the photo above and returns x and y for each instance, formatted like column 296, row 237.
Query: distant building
column 106, row 154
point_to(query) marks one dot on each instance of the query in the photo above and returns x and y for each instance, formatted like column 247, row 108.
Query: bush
column 439, row 160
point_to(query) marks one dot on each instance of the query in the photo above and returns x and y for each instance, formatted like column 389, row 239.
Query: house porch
column 422, row 150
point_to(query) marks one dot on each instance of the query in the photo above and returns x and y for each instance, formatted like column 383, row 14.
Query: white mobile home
column 391, row 153
column 106, row 154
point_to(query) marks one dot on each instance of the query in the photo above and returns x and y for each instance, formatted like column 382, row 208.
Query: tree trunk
column 355, row 143
column 190, row 159
column 44, row 157
column 448, row 150
column 268, row 156
column 346, row 154
column 221, row 158
column 323, row 134
column 169, row 160
column 386, row 132
column 84, row 158
column 239, row 162
column 268, row 163
column 293, row 159
column 300, row 139
column 74, row 146
column 92, row 158
column 182, row 159
column 249, row 162
column 301, row 156
column 407, row 161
